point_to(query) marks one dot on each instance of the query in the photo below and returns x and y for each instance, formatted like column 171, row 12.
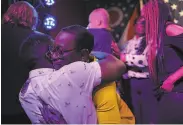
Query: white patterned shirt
column 134, row 60
column 65, row 93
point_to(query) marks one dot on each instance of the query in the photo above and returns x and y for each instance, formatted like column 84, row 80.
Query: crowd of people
column 71, row 79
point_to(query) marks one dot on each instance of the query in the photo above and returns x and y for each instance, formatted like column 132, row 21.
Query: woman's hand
column 168, row 84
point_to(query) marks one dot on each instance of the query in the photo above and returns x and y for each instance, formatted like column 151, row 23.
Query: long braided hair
column 156, row 14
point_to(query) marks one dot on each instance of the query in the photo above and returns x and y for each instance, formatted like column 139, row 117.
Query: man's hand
column 115, row 49
column 123, row 57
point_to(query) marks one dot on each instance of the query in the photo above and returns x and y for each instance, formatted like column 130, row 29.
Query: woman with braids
column 165, row 60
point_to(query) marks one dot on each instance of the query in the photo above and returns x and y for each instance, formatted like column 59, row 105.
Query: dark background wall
column 69, row 12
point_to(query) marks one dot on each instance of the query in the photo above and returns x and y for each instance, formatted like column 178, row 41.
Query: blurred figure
column 111, row 109
column 18, row 23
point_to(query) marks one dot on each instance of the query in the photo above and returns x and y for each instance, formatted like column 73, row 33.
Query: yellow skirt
column 111, row 109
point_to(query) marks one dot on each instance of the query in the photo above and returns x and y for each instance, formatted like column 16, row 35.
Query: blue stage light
column 49, row 22
column 49, row 2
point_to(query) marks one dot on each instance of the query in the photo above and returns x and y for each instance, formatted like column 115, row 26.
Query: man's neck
column 104, row 26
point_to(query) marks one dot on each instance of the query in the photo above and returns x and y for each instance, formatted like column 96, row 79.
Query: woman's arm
column 174, row 30
column 168, row 84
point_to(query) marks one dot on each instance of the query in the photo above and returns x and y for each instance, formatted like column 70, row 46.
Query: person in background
column 61, row 80
column 136, row 46
column 99, row 21
column 165, row 40
column 111, row 109
column 143, row 102
column 18, row 23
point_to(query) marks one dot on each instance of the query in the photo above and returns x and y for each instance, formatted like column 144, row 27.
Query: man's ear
column 85, row 55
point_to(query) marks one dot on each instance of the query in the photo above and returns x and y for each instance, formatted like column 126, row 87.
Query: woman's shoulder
column 173, row 29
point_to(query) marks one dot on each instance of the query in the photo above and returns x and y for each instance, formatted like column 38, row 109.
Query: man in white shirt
column 64, row 95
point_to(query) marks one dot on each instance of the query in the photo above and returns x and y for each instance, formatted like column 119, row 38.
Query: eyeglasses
column 56, row 52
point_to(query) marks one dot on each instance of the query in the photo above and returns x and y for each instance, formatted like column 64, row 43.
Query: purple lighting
column 49, row 22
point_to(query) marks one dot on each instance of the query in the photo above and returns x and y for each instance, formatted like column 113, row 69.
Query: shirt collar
column 40, row 72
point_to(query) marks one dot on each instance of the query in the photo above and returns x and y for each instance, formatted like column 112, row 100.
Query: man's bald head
column 99, row 18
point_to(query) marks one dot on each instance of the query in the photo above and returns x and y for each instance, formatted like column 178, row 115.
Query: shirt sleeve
column 84, row 75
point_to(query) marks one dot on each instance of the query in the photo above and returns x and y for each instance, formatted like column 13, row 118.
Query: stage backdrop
column 177, row 10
